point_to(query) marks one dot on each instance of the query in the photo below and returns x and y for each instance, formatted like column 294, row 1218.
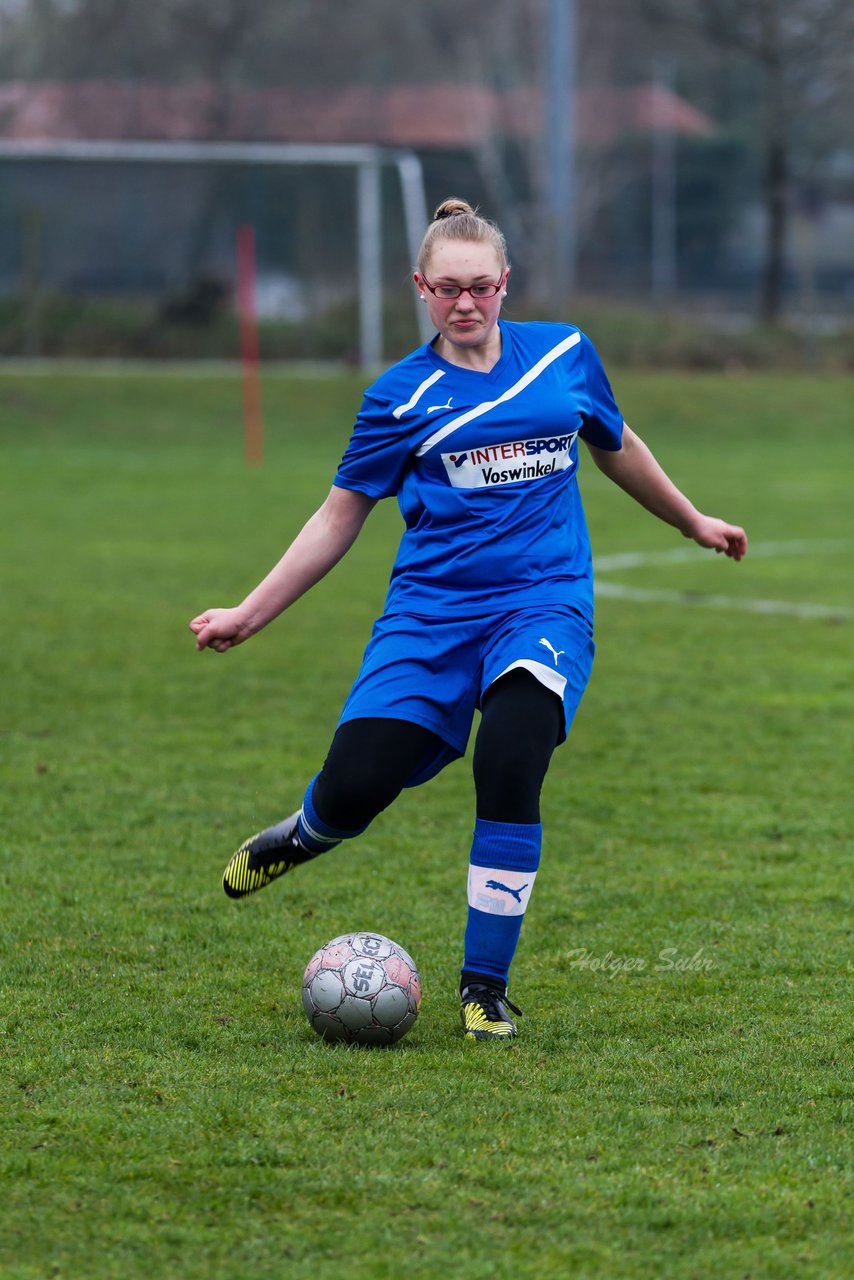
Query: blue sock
column 503, row 866
column 315, row 834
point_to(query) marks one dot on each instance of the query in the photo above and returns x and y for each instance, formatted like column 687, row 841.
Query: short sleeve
column 378, row 453
column 603, row 422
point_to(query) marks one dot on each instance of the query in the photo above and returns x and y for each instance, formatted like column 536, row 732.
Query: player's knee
column 369, row 763
column 520, row 727
column 507, row 788
column 350, row 798
column 509, row 769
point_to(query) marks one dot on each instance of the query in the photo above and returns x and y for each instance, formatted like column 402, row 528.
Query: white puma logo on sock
column 556, row 652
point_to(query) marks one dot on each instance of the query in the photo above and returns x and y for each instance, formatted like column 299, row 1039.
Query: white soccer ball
column 361, row 988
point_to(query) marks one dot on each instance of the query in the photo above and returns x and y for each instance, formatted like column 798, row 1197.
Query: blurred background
column 675, row 175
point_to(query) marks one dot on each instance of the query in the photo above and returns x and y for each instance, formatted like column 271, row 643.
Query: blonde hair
column 455, row 219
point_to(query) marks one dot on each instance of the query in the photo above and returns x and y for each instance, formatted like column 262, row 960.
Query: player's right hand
column 220, row 629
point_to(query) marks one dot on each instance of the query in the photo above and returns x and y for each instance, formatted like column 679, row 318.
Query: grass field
column 679, row 1101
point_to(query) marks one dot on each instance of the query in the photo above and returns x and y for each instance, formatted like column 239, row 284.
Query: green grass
column 166, row 1109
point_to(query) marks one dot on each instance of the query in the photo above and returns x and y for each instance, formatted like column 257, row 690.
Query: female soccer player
column 490, row 604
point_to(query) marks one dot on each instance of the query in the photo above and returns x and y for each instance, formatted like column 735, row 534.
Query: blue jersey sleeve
column 378, row 453
column 603, row 422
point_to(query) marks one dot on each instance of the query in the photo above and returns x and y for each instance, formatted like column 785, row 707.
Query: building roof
column 419, row 116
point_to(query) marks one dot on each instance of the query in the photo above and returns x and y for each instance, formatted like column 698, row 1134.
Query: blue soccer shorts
column 435, row 671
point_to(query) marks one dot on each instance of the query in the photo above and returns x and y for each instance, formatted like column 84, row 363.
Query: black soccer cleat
column 264, row 857
column 484, row 1013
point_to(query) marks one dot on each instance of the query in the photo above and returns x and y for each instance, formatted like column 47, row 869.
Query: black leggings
column 371, row 760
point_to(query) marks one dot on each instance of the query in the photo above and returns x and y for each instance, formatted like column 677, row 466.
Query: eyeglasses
column 449, row 292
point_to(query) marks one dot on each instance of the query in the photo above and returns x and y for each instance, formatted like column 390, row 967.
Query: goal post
column 366, row 160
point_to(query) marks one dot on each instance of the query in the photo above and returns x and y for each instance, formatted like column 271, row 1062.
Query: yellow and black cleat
column 484, row 1014
column 263, row 858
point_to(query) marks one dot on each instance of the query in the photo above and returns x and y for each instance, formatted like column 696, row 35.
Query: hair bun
column 452, row 208
column 456, row 220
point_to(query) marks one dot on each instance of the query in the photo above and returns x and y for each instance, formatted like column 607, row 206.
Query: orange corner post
column 249, row 348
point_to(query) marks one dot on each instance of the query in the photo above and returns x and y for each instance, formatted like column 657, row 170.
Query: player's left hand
column 711, row 532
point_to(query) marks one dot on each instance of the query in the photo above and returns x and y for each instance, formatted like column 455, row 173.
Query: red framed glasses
column 450, row 292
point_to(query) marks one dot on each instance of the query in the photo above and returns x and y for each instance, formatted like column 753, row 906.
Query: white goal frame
column 365, row 159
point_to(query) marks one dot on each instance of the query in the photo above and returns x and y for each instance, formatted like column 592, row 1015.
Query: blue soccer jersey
column 484, row 467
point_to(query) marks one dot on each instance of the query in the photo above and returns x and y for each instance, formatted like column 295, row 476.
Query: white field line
column 756, row 550
column 747, row 605
column 789, row 608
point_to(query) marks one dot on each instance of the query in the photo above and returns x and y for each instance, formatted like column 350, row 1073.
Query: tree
column 802, row 50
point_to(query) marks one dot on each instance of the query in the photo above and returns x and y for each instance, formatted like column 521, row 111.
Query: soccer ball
column 361, row 988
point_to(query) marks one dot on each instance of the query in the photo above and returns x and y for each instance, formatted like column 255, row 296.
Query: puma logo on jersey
column 557, row 652
column 433, row 408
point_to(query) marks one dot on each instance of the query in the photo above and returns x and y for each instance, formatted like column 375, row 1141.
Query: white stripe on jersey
column 425, row 386
column 525, row 381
